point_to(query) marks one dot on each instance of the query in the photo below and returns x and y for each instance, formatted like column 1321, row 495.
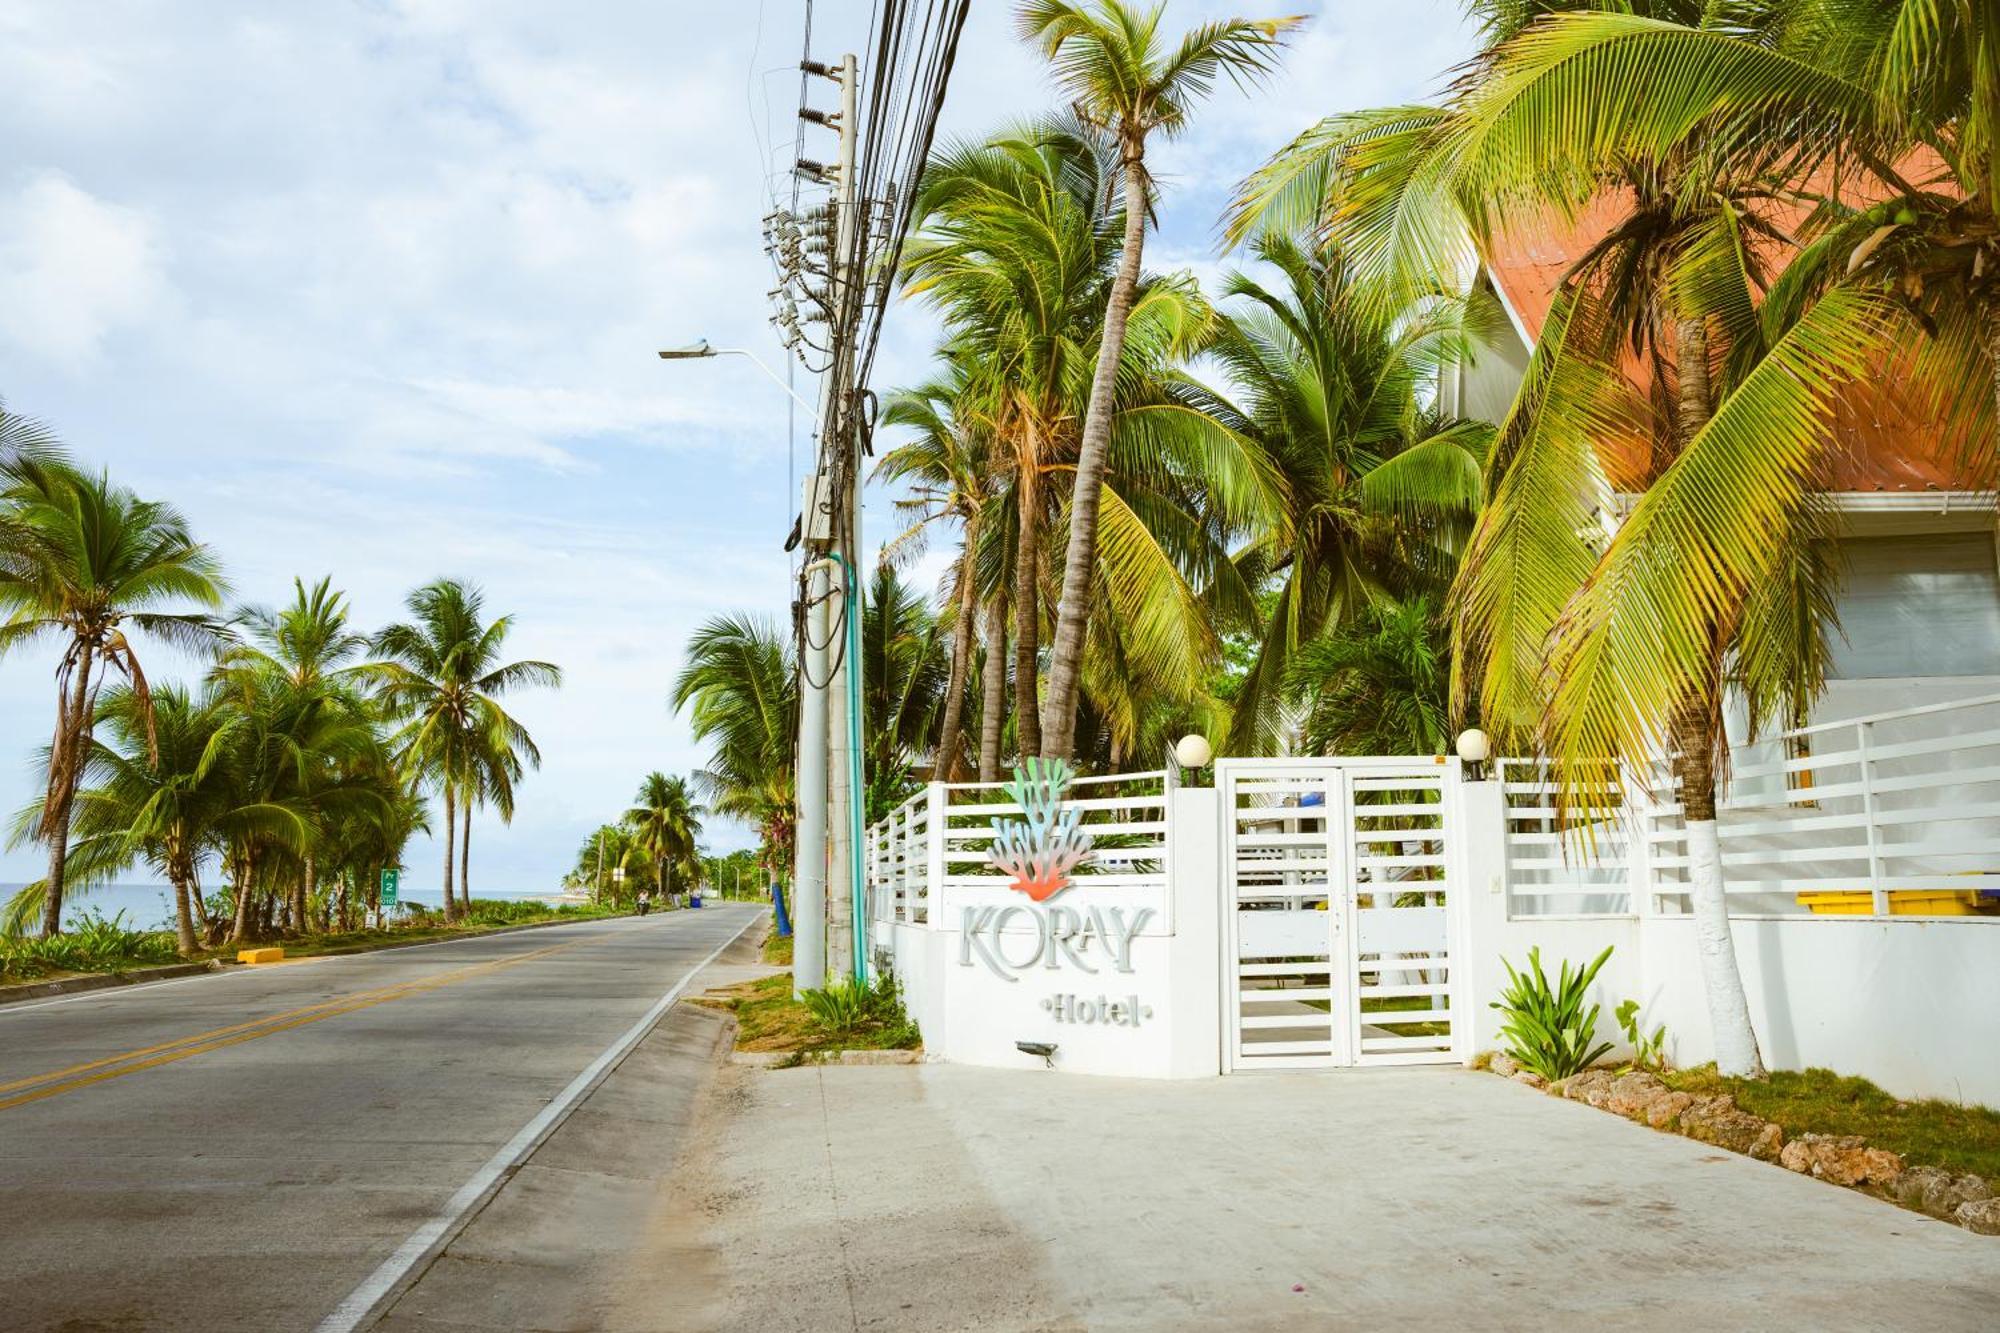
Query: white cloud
column 74, row 269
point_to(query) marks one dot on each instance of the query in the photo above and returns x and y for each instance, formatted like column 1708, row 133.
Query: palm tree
column 1016, row 247
column 740, row 692
column 163, row 792
column 301, row 756
column 1013, row 245
column 1378, row 684
column 666, row 819
column 308, row 646
column 441, row 676
column 948, row 466
column 1378, row 492
column 1122, row 76
column 1597, row 650
column 904, row 670
column 85, row 562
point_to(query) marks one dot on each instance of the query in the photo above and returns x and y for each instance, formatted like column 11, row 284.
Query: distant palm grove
column 292, row 771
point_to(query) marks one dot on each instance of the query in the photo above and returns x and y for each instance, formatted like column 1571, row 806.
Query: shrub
column 1647, row 1052
column 95, row 943
column 1547, row 1028
column 851, row 1009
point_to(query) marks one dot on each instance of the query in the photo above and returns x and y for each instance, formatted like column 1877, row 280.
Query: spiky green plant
column 1548, row 1029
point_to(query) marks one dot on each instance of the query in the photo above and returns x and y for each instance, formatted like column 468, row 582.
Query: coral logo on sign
column 1039, row 849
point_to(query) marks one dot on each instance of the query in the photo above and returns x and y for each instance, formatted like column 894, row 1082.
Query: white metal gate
column 1339, row 911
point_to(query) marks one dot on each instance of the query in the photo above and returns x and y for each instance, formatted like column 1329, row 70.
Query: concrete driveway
column 943, row 1197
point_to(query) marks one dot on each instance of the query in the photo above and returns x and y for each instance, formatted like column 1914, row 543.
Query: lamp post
column 1474, row 746
column 815, row 678
column 699, row 351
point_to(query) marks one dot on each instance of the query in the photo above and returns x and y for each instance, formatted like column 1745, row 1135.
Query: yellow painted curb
column 270, row 955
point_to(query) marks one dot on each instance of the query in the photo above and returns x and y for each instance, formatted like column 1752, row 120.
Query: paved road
column 243, row 1151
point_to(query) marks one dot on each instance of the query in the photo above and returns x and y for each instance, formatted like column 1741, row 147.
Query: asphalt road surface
column 250, row 1150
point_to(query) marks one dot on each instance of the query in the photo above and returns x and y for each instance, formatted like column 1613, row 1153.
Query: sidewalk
column 945, row 1197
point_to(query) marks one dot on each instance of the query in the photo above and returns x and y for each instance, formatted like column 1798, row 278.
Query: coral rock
column 1632, row 1095
column 1981, row 1215
column 1503, row 1064
column 1531, row 1078
column 1843, row 1159
column 1717, row 1120
column 1580, row 1087
column 1938, row 1192
column 1665, row 1111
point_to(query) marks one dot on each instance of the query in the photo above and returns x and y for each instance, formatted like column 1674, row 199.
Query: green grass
column 769, row 1019
column 1926, row 1132
column 778, row 949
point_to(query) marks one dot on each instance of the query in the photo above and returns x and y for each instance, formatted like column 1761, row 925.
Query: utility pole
column 841, row 447
column 809, row 880
column 823, row 886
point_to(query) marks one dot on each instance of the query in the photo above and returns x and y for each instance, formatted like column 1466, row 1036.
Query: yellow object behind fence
column 1902, row 902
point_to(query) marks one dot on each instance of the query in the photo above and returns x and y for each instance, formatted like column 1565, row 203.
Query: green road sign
column 391, row 881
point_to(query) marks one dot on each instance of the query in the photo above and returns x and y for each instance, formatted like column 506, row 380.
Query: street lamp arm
column 702, row 351
column 769, row 373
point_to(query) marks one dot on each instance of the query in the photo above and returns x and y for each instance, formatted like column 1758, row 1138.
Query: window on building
column 1919, row 606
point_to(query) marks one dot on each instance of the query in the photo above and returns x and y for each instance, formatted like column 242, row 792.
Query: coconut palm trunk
column 184, row 937
column 302, row 895
column 72, row 732
column 1697, row 740
column 1058, row 729
column 1027, row 609
column 964, row 629
column 993, row 687
column 450, row 849
column 465, row 863
column 246, row 865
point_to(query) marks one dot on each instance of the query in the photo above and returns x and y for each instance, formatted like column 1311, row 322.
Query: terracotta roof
column 1891, row 445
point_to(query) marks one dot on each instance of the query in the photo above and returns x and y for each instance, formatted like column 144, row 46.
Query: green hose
column 857, row 805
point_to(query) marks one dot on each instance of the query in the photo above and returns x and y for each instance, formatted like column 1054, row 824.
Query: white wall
column 970, row 1015
column 1911, row 1005
column 1490, row 936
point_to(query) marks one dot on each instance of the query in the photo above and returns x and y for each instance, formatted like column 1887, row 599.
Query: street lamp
column 701, row 350
column 1193, row 751
column 1474, row 747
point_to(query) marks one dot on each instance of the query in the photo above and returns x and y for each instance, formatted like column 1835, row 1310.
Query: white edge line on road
column 112, row 992
column 352, row 1312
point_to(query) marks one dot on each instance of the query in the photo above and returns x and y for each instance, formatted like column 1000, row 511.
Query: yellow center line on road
column 131, row 1062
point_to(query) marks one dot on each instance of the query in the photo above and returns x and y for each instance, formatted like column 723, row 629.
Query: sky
column 372, row 288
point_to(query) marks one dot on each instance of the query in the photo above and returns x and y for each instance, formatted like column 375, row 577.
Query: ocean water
column 151, row 906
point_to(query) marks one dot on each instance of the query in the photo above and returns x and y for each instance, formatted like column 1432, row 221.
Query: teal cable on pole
column 857, row 806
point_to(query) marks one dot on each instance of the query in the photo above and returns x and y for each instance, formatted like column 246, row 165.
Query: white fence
column 1889, row 815
column 1862, row 860
column 940, row 837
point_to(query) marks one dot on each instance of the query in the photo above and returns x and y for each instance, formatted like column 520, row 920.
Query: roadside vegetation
column 844, row 1017
column 290, row 772
column 96, row 944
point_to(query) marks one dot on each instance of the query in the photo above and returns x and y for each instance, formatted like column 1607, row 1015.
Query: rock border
column 1966, row 1200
